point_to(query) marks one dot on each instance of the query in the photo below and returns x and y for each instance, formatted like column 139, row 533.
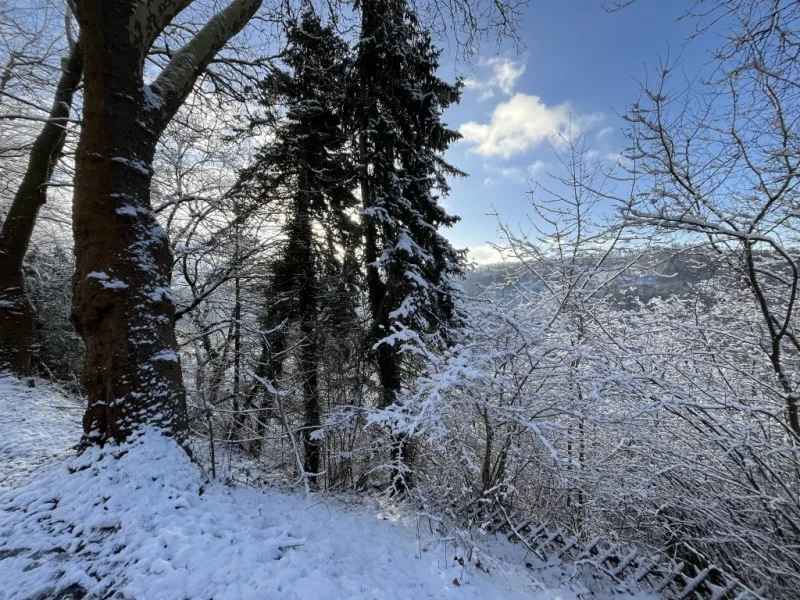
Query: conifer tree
column 409, row 265
column 307, row 167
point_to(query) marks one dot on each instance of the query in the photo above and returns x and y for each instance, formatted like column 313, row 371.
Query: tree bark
column 309, row 349
column 16, row 311
column 238, row 418
column 122, row 306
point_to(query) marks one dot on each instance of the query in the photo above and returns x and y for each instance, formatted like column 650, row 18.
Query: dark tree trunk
column 272, row 363
column 385, row 356
column 16, row 312
column 121, row 304
column 378, row 291
column 309, row 350
column 238, row 418
column 309, row 358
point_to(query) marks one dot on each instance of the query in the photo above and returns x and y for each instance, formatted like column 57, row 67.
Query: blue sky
column 580, row 68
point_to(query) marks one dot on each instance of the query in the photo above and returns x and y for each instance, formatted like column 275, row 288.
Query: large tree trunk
column 121, row 304
column 16, row 312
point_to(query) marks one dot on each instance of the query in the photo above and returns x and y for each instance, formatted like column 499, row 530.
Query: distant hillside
column 659, row 273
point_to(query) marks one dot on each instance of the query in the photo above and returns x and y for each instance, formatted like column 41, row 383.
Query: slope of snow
column 138, row 521
column 37, row 425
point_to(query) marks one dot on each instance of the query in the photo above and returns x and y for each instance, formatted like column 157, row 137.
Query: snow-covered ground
column 37, row 426
column 140, row 522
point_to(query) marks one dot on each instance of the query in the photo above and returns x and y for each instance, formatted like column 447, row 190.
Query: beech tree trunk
column 122, row 306
column 16, row 311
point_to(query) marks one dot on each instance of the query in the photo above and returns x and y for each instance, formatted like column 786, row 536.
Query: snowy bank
column 140, row 522
column 37, row 426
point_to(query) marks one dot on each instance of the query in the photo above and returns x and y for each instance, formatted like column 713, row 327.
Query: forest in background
column 243, row 246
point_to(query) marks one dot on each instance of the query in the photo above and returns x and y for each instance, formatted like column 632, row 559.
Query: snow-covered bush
column 658, row 423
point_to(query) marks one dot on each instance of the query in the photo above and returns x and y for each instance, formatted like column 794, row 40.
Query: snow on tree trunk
column 122, row 306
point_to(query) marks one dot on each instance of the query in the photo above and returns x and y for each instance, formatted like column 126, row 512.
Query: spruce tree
column 410, row 266
column 307, row 166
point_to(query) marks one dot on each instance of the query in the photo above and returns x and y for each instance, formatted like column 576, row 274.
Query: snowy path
column 146, row 526
column 37, row 426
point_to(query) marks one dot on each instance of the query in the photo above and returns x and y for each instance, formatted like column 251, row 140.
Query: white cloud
column 524, row 122
column 604, row 132
column 534, row 171
column 503, row 75
column 538, row 169
column 500, row 173
column 485, row 255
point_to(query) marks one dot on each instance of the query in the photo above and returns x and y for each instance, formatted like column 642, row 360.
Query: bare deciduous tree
column 16, row 312
column 717, row 164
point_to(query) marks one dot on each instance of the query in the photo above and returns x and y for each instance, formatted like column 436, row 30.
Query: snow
column 152, row 100
column 114, row 284
column 140, row 521
column 417, row 279
column 166, row 355
column 106, row 281
column 135, row 164
column 37, row 425
column 126, row 209
column 160, row 293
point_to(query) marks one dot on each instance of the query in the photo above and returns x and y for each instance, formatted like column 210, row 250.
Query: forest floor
column 141, row 522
